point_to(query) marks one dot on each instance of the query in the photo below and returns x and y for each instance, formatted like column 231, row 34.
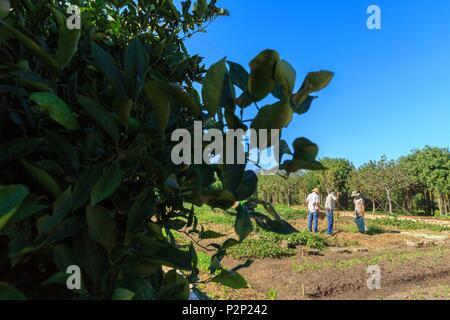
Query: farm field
column 412, row 252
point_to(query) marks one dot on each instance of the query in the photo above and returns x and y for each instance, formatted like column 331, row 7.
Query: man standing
column 313, row 203
column 330, row 204
column 359, row 211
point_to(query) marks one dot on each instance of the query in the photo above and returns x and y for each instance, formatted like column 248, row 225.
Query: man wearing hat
column 313, row 203
column 330, row 204
column 359, row 211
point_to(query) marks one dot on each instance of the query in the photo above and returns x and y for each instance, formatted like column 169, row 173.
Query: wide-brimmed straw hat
column 316, row 190
column 355, row 194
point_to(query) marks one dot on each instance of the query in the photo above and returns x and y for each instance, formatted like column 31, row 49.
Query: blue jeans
column 313, row 215
column 330, row 221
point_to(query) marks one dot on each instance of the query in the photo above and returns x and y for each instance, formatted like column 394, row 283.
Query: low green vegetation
column 391, row 257
column 254, row 248
column 272, row 294
column 410, row 225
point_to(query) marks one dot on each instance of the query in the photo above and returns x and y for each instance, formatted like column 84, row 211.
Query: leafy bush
column 259, row 248
column 85, row 149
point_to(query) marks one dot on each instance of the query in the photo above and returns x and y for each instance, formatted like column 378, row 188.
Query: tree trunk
column 373, row 206
column 388, row 194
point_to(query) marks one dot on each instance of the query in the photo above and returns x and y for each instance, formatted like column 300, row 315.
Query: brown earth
column 406, row 272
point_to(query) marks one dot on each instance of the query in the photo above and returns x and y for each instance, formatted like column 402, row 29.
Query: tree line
column 418, row 183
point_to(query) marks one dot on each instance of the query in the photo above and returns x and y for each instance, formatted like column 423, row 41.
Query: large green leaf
column 102, row 227
column 63, row 257
column 305, row 105
column 213, row 85
column 243, row 225
column 61, row 207
column 84, row 185
column 174, row 287
column 239, row 76
column 109, row 68
column 67, row 39
column 161, row 101
column 314, row 81
column 8, row 292
column 141, row 209
column 223, row 199
column 285, row 77
column 247, row 187
column 16, row 148
column 262, row 75
column 101, row 116
column 65, row 151
column 230, row 279
column 56, row 108
column 107, row 184
column 11, row 197
column 274, row 116
column 43, row 178
column 135, row 62
column 164, row 253
column 305, row 153
column 122, row 294
column 49, row 62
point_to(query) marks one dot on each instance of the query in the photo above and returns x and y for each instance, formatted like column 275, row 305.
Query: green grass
column 288, row 213
column 410, row 225
column 207, row 215
column 204, row 260
column 392, row 257
column 252, row 248
column 272, row 294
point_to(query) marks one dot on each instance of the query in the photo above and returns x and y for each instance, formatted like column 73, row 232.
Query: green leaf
column 213, row 85
column 102, row 227
column 160, row 100
column 174, row 287
column 141, row 287
column 107, row 184
column 16, row 148
column 274, row 116
column 43, row 178
column 122, row 294
column 101, row 116
column 11, row 197
column 285, row 76
column 305, row 105
column 8, row 292
column 135, row 62
column 67, row 39
column 84, row 185
column 209, row 234
column 61, row 208
column 56, row 108
column 222, row 199
column 239, row 76
column 304, row 149
column 65, row 151
column 57, row 278
column 243, row 225
column 108, row 67
column 262, row 75
column 314, row 81
column 142, row 208
column 49, row 62
column 247, row 187
column 26, row 210
column 230, row 279
column 63, row 257
column 164, row 253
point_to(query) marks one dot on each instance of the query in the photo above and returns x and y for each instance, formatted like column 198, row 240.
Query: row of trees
column 416, row 183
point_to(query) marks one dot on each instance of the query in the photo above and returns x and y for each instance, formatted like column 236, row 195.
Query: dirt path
column 371, row 216
column 344, row 276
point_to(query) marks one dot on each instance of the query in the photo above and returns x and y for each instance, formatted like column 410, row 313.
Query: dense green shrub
column 86, row 175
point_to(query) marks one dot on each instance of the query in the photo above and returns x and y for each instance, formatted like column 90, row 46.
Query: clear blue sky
column 391, row 91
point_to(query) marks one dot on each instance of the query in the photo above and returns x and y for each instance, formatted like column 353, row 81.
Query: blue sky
column 391, row 91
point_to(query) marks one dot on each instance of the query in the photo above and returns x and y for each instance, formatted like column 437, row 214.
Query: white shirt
column 330, row 203
column 311, row 200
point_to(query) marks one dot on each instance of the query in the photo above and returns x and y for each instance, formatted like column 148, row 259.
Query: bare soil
column 406, row 272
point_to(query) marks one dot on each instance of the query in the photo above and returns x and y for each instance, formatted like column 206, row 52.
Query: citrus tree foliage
column 86, row 176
